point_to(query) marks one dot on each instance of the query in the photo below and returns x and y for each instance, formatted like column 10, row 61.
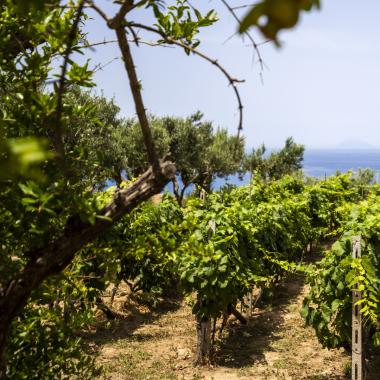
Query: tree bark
column 54, row 257
column 135, row 86
column 203, row 341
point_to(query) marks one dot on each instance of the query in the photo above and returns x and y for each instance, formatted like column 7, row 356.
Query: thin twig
column 263, row 42
column 254, row 44
column 106, row 42
column 243, row 6
column 230, row 38
column 101, row 66
column 232, row 81
column 92, row 5
column 99, row 11
column 135, row 36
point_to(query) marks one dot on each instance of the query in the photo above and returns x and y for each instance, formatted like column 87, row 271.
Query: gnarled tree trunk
column 54, row 257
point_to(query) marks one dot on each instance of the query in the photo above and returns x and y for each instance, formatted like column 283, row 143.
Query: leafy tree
column 129, row 132
column 200, row 153
column 364, row 179
column 224, row 158
column 49, row 177
column 50, row 168
column 256, row 161
column 365, row 176
column 279, row 163
column 101, row 140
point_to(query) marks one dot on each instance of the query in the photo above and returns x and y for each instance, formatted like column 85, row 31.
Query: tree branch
column 134, row 40
column 136, row 93
column 182, row 193
column 119, row 19
column 118, row 23
column 99, row 11
column 175, row 189
column 54, row 257
column 254, row 44
column 232, row 81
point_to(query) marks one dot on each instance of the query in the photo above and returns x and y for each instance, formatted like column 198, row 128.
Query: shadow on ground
column 268, row 338
column 246, row 345
column 136, row 315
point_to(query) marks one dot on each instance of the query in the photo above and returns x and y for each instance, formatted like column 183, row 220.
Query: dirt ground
column 160, row 344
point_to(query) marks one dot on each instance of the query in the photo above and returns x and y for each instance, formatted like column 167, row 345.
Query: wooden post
column 204, row 340
column 202, row 195
column 211, row 228
column 357, row 344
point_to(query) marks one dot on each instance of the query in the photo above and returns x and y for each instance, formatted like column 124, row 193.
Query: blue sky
column 322, row 87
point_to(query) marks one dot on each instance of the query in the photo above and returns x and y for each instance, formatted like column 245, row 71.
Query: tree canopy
column 279, row 163
column 58, row 146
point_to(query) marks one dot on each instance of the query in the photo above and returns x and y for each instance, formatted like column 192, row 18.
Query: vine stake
column 357, row 352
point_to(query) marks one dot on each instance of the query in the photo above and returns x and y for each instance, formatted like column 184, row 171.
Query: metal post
column 357, row 352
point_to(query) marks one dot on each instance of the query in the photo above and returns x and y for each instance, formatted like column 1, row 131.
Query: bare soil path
column 274, row 345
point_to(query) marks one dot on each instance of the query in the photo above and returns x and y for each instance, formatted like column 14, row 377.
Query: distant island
column 355, row 144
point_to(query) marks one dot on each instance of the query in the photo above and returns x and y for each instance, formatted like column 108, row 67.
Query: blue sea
column 326, row 162
column 318, row 162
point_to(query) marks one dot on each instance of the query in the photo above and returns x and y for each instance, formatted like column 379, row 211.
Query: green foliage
column 201, row 153
column 182, row 22
column 330, row 203
column 364, row 179
column 26, row 112
column 331, row 316
column 98, row 137
column 365, row 176
column 38, row 190
column 21, row 156
column 261, row 232
column 59, row 146
column 279, row 163
column 147, row 244
column 328, row 305
column 44, row 343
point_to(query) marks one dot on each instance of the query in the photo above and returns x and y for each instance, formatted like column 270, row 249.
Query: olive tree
column 48, row 179
column 50, row 208
column 278, row 163
column 201, row 152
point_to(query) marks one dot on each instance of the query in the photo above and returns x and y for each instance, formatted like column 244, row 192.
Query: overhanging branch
column 253, row 42
column 232, row 81
column 54, row 257
column 136, row 93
